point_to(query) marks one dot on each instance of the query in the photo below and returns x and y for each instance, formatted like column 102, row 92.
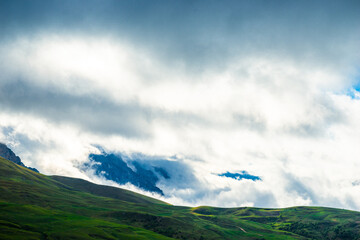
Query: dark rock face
column 8, row 154
column 114, row 168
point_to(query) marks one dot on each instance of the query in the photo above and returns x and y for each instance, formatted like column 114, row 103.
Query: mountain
column 7, row 153
column 35, row 206
column 113, row 167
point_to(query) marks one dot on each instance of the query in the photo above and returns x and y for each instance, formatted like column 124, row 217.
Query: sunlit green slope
column 35, row 206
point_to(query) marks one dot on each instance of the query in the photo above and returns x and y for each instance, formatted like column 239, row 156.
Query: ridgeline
column 36, row 206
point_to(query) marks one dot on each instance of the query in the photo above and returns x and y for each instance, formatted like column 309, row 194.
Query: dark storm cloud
column 294, row 185
column 196, row 41
column 199, row 33
column 88, row 112
column 94, row 113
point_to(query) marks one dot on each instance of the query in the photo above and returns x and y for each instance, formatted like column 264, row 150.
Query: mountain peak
column 8, row 154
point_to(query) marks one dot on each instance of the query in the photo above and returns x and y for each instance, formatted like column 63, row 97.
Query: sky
column 266, row 87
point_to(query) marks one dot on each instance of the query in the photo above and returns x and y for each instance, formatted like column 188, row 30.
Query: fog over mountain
column 8, row 154
column 208, row 91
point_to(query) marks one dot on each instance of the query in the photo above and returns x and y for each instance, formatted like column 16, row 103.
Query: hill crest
column 36, row 206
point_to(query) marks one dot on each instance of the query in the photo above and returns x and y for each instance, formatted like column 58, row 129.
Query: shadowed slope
column 105, row 191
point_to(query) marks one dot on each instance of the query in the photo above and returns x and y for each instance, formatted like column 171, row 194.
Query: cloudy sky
column 267, row 87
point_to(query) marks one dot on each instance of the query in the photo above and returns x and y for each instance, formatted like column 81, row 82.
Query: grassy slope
column 35, row 206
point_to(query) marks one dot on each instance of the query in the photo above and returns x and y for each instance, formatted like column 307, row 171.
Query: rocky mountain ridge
column 8, row 154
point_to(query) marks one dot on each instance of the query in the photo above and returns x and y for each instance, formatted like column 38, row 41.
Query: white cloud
column 285, row 121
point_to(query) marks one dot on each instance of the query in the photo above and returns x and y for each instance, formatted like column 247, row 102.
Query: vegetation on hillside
column 35, row 206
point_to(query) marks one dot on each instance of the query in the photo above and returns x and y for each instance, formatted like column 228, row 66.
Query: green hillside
column 35, row 206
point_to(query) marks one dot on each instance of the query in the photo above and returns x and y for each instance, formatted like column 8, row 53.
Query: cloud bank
column 269, row 88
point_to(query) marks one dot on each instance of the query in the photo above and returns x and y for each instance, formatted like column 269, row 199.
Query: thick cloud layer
column 264, row 87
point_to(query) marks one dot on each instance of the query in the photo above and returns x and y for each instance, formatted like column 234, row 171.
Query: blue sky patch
column 240, row 176
column 354, row 91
